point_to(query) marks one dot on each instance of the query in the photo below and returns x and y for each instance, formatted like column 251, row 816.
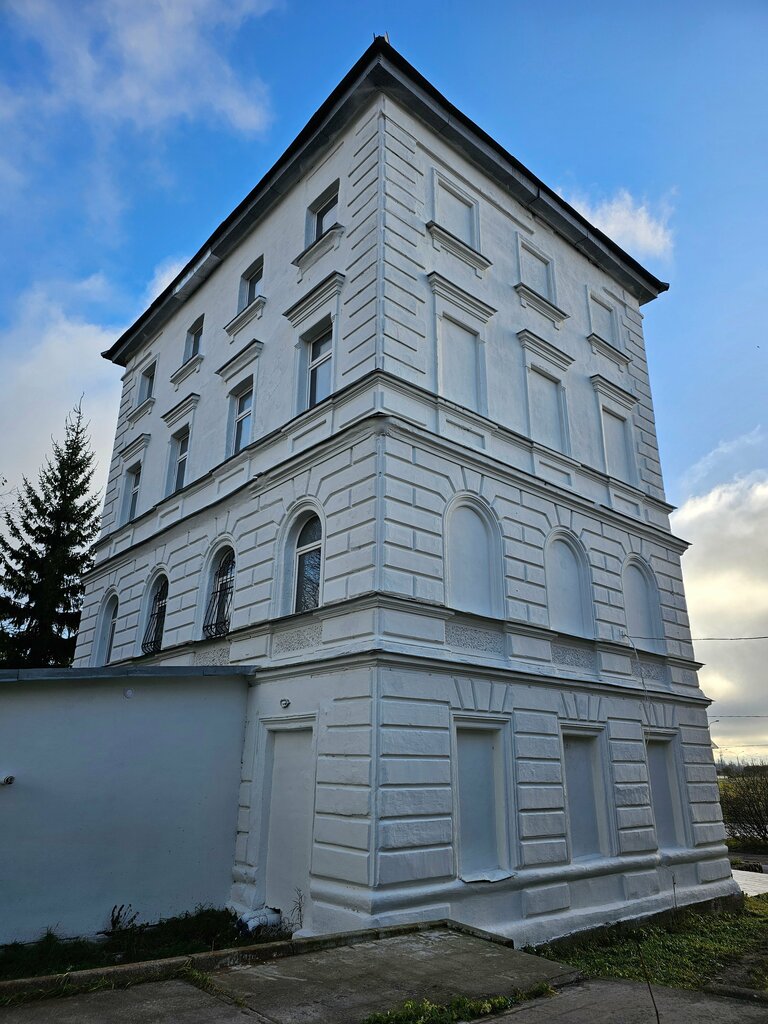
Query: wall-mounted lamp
column 8, row 780
column 285, row 703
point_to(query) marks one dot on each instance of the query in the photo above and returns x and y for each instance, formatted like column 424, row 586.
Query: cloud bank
column 142, row 61
column 633, row 223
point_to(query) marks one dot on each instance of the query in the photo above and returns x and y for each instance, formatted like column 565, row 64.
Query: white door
column 291, row 802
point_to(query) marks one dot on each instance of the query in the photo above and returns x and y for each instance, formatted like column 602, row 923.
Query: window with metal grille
column 219, row 610
column 111, row 628
column 309, row 552
column 153, row 634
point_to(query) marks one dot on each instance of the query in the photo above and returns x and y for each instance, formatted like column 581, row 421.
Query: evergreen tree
column 44, row 552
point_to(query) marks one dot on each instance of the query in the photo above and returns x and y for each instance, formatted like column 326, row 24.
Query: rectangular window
column 147, row 384
column 243, row 406
column 180, row 454
column 460, row 378
column 585, row 794
column 194, row 338
column 320, row 368
column 134, row 482
column 545, row 397
column 665, row 795
column 250, row 286
column 481, row 797
column 618, row 463
column 325, row 215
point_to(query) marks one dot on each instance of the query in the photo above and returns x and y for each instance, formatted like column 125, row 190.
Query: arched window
column 473, row 562
column 153, row 634
column 219, row 609
column 641, row 606
column 106, row 634
column 307, row 565
column 568, row 590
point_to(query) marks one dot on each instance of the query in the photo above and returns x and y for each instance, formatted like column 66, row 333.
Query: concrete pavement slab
column 163, row 1002
column 343, row 985
column 628, row 1002
column 751, row 883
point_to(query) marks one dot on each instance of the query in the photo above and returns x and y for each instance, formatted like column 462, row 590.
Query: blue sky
column 130, row 128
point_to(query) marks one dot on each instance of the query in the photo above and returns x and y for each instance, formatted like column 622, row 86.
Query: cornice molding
column 186, row 369
column 529, row 297
column 252, row 311
column 608, row 389
column 605, row 348
column 329, row 240
column 544, row 349
column 134, row 448
column 444, row 239
column 140, row 410
column 452, row 293
column 181, row 409
column 315, row 299
column 234, row 366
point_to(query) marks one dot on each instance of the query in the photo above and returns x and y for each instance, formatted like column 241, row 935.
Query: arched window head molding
column 104, row 638
column 642, row 606
column 287, row 559
column 218, row 596
column 568, row 581
column 473, row 560
column 158, row 575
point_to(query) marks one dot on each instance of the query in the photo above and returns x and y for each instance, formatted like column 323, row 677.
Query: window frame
column 328, row 200
column 193, row 340
column 250, row 280
column 157, row 608
column 670, row 738
column 221, row 590
column 504, row 796
column 302, row 550
column 178, row 456
column 133, row 486
column 605, row 812
column 324, row 332
column 147, row 380
column 237, row 417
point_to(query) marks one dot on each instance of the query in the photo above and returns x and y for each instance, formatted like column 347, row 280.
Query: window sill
column 252, row 311
column 606, row 348
column 443, row 239
column 486, row 876
column 186, row 369
column 529, row 297
column 322, row 245
column 144, row 407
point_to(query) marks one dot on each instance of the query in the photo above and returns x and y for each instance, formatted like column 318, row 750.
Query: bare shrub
column 744, row 800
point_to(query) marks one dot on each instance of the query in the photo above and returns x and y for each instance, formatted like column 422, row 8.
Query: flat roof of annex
column 381, row 69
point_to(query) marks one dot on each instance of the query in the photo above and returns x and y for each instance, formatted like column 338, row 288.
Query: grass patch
column 127, row 942
column 460, row 1008
column 687, row 951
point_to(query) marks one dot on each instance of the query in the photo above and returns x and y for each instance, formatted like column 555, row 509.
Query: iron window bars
column 153, row 634
column 308, row 560
column 217, row 614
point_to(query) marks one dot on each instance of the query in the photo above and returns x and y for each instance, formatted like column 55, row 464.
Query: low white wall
column 125, row 791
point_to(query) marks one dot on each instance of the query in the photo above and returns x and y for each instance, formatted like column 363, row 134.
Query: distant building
column 388, row 439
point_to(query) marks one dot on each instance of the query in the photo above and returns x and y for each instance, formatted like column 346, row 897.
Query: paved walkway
column 752, row 884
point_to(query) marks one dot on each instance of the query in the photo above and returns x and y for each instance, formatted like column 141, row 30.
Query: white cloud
column 731, row 455
column 143, row 61
column 631, row 222
column 162, row 277
column 726, row 580
column 50, row 356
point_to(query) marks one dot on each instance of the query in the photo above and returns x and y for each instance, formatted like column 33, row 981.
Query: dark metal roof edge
column 542, row 200
column 126, row 671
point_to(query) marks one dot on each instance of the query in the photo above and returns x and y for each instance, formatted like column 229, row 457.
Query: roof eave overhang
column 382, row 69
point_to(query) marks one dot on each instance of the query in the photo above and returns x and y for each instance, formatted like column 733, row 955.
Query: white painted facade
column 501, row 603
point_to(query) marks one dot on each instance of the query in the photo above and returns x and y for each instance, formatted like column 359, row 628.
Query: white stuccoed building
column 388, row 440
